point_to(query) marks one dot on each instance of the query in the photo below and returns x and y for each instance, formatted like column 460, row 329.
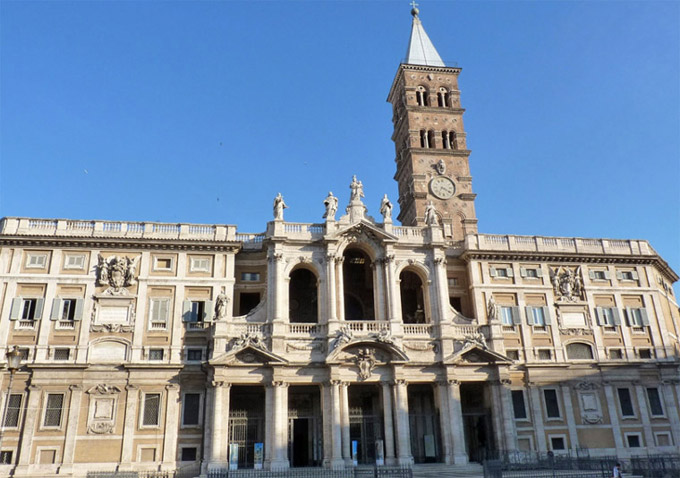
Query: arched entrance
column 303, row 297
column 358, row 286
column 412, row 298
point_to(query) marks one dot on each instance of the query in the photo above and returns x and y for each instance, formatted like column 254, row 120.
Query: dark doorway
column 246, row 422
column 365, row 421
column 247, row 302
column 358, row 286
column 302, row 297
column 411, row 288
column 424, row 424
column 305, row 442
column 477, row 423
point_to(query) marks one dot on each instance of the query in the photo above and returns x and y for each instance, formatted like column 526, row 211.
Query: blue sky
column 203, row 111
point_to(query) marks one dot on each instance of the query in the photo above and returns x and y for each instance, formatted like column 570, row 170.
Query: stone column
column 217, row 442
column 508, row 414
column 344, row 414
column 341, row 288
column 131, row 403
column 644, row 415
column 537, row 417
column 569, row 416
column 456, row 423
column 28, row 432
column 332, row 298
column 672, row 412
column 71, row 428
column 280, row 427
column 269, row 441
column 610, row 394
column 445, row 421
column 336, row 428
column 280, row 291
column 379, row 289
column 389, row 424
column 442, row 290
column 403, row 432
column 395, row 306
column 172, row 414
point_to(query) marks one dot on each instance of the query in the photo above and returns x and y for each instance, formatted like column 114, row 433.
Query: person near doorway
column 617, row 471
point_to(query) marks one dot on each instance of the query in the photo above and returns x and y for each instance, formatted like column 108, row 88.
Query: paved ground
column 438, row 470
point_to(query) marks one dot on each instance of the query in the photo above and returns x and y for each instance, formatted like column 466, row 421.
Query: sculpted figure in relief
column 117, row 272
column 357, row 189
column 221, row 305
column 567, row 283
column 386, row 208
column 431, row 215
column 331, row 204
column 279, row 206
column 440, row 167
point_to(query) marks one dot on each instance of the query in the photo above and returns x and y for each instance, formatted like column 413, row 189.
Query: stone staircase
column 439, row 470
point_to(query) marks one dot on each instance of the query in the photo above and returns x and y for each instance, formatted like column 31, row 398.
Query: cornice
column 118, row 243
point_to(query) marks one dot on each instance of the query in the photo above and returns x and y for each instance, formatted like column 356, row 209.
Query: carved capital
column 171, row 386
column 334, row 382
column 75, row 388
column 279, row 384
column 439, row 260
column 504, row 381
column 453, row 382
column 130, row 387
column 399, row 381
column 216, row 384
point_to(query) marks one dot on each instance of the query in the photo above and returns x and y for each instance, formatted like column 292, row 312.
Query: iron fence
column 358, row 472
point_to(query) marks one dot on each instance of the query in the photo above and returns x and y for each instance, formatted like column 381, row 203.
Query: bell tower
column 431, row 152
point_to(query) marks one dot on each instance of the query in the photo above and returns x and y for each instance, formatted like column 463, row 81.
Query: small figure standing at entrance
column 431, row 215
column 331, row 203
column 386, row 208
column 279, row 206
column 617, row 471
column 357, row 189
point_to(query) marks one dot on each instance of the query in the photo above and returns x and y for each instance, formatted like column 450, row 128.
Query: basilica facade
column 155, row 346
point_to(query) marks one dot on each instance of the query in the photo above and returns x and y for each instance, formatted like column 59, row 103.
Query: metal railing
column 358, row 472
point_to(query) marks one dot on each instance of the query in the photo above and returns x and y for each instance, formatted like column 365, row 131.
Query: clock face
column 442, row 187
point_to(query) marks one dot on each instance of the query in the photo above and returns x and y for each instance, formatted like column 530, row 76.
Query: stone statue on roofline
column 386, row 209
column 331, row 204
column 279, row 206
column 357, row 189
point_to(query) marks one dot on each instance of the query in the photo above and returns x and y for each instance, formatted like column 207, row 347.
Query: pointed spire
column 421, row 51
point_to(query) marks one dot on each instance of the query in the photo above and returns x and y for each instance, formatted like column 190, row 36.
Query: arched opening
column 422, row 96
column 443, row 98
column 453, row 142
column 423, row 139
column 303, row 297
column 579, row 351
column 358, row 286
column 412, row 303
column 445, row 140
column 430, row 139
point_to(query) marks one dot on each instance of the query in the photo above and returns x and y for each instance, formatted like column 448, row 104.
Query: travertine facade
column 158, row 346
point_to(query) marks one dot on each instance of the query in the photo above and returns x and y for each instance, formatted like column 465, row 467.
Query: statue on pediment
column 357, row 189
column 331, row 204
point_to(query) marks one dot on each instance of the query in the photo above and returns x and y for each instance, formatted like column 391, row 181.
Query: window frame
column 155, row 349
column 563, row 436
column 250, row 276
column 194, row 349
column 660, row 397
column 628, row 435
column 193, row 264
column 634, row 416
column 69, row 266
column 142, row 410
column 158, row 268
column 559, row 416
column 181, row 451
column 152, row 310
column 46, row 398
column 199, row 422
column 29, row 263
column 513, row 393
column 665, row 433
column 6, row 409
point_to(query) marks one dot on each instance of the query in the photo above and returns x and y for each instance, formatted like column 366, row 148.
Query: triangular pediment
column 366, row 229
column 476, row 354
column 248, row 355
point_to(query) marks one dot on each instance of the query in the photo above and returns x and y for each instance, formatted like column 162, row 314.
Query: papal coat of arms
column 117, row 272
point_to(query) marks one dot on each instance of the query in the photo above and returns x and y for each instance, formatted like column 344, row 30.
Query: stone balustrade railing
column 574, row 245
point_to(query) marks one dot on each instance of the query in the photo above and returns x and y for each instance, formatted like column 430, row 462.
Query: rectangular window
column 194, row 355
column 654, row 398
column 557, row 443
column 512, row 354
column 162, row 264
column 615, row 354
column 155, row 354
column 28, row 309
column 250, row 276
column 544, row 354
column 6, row 457
column 453, row 281
column 54, row 406
column 626, row 275
column 598, row 275
column 626, row 403
column 13, row 410
column 607, row 316
column 36, row 261
column 506, row 315
column 663, row 439
column 200, row 264
column 552, row 405
column 194, row 311
column 160, row 313
column 191, row 407
column 637, row 317
column 518, row 405
column 62, row 354
column 501, row 273
column 74, row 261
column 538, row 316
column 645, row 353
column 68, row 310
column 188, row 454
column 633, row 440
column 152, row 406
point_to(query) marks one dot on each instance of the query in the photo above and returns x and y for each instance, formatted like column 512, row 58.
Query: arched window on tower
column 412, row 303
column 423, row 139
column 422, row 96
column 443, row 98
column 445, row 140
column 579, row 351
column 430, row 139
column 303, row 304
column 453, row 141
column 358, row 285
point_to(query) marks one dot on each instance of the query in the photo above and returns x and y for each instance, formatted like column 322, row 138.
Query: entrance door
column 246, row 422
column 365, row 421
column 424, row 424
column 476, row 406
column 305, row 443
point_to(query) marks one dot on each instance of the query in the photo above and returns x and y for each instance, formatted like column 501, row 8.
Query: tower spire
column 421, row 51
